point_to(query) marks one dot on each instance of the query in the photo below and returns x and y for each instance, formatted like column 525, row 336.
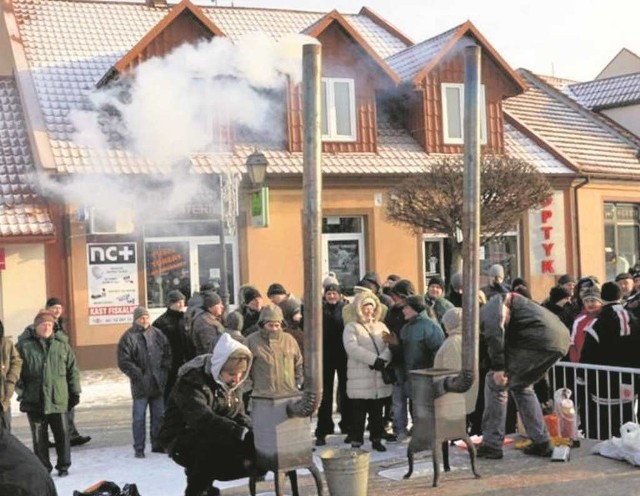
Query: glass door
column 168, row 265
column 209, row 267
column 434, row 262
column 343, row 254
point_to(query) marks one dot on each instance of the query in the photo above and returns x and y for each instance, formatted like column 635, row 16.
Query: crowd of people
column 196, row 366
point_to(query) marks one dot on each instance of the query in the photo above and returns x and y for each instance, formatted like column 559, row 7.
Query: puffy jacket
column 10, row 366
column 49, row 374
column 145, row 357
column 420, row 339
column 362, row 381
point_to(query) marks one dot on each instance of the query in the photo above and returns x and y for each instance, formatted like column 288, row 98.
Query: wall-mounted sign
column 113, row 282
column 548, row 252
column 260, row 207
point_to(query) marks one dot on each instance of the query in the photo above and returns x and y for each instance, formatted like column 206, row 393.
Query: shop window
column 501, row 250
column 621, row 238
column 453, row 114
column 338, row 109
column 168, row 267
column 343, row 249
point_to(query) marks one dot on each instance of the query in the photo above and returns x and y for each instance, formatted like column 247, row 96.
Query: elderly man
column 435, row 298
column 144, row 356
column 50, row 385
column 523, row 340
column 10, row 366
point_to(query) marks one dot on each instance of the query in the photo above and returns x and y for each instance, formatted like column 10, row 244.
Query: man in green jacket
column 49, row 387
column 10, row 365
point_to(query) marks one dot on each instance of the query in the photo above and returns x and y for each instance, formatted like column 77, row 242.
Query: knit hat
column 210, row 299
column 622, row 277
column 174, row 296
column 403, row 288
column 367, row 300
column 250, row 294
column 610, row 293
column 43, row 316
column 452, row 319
column 270, row 313
column 371, row 277
column 330, row 279
column 416, row 302
column 519, row 281
column 557, row 293
column 496, row 270
column 436, row 281
column 592, row 293
column 276, row 289
column 234, row 321
column 332, row 287
column 53, row 301
column 139, row 312
column 456, row 281
column 566, row 278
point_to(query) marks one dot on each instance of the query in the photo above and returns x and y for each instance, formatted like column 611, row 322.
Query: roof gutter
column 576, row 224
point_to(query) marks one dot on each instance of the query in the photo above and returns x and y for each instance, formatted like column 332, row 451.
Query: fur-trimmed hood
column 361, row 298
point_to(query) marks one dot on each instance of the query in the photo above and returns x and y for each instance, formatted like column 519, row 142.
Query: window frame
column 327, row 86
column 448, row 140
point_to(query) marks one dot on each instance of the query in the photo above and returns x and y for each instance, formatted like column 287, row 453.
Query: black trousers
column 39, row 424
column 362, row 408
column 325, row 420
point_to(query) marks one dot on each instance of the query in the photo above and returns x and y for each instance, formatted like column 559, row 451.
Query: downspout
column 470, row 230
column 311, row 235
column 576, row 226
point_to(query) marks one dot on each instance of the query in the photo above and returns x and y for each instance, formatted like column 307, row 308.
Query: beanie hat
column 496, row 270
column 276, row 289
column 234, row 321
column 452, row 319
column 207, row 286
column 43, row 316
column 436, row 281
column 416, row 302
column 610, row 293
column 372, row 278
column 210, row 299
column 330, row 279
column 456, row 281
column 593, row 293
column 519, row 281
column 270, row 313
column 403, row 288
column 332, row 287
column 250, row 294
column 53, row 301
column 566, row 278
column 557, row 293
column 174, row 296
column 622, row 277
column 139, row 312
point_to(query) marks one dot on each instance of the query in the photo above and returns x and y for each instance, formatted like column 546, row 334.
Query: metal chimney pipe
column 312, row 233
column 470, row 225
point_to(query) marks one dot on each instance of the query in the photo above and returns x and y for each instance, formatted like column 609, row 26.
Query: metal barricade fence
column 605, row 397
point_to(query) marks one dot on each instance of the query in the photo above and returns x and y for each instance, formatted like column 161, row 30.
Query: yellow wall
column 23, row 288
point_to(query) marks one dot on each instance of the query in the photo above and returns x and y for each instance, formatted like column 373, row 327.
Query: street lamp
column 257, row 168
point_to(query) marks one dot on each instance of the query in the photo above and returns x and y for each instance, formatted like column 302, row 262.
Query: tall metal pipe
column 312, row 233
column 224, row 271
column 470, row 224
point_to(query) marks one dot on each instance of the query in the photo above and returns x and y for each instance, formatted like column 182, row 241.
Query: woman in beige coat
column 367, row 355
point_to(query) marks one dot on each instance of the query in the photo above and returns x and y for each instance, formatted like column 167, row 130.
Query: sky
column 573, row 39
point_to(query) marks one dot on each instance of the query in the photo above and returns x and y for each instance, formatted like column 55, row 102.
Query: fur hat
column 403, row 288
column 436, row 281
column 372, row 278
column 416, row 302
column 234, row 321
column 610, row 293
column 270, row 313
column 330, row 279
column 496, row 270
column 139, row 312
column 43, row 316
column 250, row 293
column 210, row 299
column 53, row 301
column 276, row 289
column 566, row 278
column 452, row 320
column 557, row 293
column 174, row 296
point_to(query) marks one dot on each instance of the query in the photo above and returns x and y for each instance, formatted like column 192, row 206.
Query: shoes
column 391, row 438
column 63, row 473
column 356, row 444
column 321, row 441
column 485, row 451
column 378, row 446
column 539, row 449
column 157, row 449
column 348, row 440
column 80, row 440
column 139, row 454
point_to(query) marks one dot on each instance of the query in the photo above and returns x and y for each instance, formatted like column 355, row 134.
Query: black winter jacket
column 332, row 329
column 171, row 323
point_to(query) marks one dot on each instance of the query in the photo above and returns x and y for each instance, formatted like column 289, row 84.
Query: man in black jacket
column 205, row 428
column 144, row 356
column 171, row 323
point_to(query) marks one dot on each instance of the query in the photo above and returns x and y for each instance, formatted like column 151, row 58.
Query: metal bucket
column 346, row 471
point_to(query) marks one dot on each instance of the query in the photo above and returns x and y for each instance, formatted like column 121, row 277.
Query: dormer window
column 338, row 109
column 453, row 114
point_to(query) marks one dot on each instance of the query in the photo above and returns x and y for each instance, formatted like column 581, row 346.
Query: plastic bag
column 566, row 413
column 626, row 447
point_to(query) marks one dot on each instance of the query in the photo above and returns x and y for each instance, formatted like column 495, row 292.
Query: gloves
column 74, row 399
column 378, row 364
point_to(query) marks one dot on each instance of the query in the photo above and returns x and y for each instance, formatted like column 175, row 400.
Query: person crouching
column 205, row 427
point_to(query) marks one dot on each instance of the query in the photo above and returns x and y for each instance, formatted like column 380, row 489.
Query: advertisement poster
column 113, row 282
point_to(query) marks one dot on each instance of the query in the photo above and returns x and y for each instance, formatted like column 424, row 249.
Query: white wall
column 627, row 117
column 23, row 288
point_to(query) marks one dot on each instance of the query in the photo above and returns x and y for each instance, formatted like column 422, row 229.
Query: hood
column 492, row 314
column 225, row 346
column 357, row 305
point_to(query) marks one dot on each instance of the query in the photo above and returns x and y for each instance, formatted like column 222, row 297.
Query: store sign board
column 112, row 273
column 260, row 207
column 548, row 250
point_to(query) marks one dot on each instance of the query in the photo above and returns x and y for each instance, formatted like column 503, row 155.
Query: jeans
column 156, row 407
column 495, row 412
column 400, row 404
column 39, row 424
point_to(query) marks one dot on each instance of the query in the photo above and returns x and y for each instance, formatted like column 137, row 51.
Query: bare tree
column 432, row 202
